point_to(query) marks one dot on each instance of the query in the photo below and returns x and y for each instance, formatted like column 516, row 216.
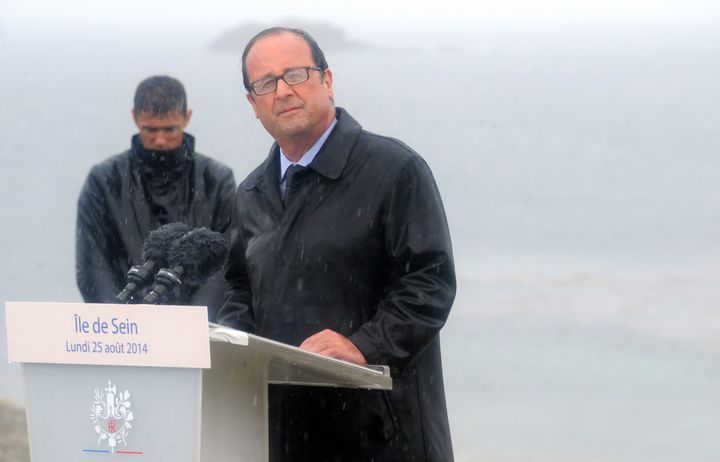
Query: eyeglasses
column 291, row 77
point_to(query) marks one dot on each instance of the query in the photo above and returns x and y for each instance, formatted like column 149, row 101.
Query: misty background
column 574, row 144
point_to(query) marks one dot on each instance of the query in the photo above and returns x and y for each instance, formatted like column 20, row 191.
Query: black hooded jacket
column 361, row 247
column 131, row 194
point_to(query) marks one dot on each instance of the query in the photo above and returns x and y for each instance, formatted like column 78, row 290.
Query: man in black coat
column 159, row 180
column 340, row 246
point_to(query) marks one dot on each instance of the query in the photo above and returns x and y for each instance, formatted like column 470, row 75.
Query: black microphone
column 193, row 258
column 154, row 253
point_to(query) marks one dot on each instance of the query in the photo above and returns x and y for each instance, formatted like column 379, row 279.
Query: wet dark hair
column 317, row 54
column 160, row 94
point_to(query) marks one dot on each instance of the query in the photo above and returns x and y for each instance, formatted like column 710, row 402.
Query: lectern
column 154, row 383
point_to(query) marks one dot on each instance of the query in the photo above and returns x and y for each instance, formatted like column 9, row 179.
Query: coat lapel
column 334, row 155
column 266, row 183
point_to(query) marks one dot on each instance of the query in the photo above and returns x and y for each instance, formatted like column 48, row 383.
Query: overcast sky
column 220, row 13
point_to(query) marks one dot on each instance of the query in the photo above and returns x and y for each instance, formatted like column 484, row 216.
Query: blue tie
column 290, row 179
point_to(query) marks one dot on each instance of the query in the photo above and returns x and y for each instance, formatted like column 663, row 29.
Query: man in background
column 340, row 246
column 159, row 180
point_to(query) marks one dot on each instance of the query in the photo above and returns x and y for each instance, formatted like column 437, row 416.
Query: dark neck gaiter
column 166, row 178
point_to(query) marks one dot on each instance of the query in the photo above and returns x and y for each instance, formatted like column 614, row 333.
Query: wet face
column 291, row 114
column 161, row 132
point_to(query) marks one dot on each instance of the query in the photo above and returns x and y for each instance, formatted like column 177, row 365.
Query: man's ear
column 188, row 115
column 251, row 100
column 328, row 80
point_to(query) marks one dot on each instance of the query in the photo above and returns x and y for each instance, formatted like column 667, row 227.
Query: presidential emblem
column 111, row 416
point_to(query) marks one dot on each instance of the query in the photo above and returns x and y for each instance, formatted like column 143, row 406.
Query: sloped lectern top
column 291, row 365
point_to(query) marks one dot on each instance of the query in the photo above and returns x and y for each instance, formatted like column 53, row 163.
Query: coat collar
column 329, row 162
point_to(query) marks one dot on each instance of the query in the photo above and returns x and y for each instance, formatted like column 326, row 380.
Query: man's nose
column 282, row 89
column 160, row 140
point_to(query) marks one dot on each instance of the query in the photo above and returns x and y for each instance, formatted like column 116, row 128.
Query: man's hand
column 334, row 345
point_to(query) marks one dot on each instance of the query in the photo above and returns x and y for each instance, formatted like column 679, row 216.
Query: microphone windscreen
column 158, row 243
column 201, row 253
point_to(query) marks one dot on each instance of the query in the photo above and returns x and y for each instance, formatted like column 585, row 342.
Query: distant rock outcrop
column 328, row 36
column 14, row 446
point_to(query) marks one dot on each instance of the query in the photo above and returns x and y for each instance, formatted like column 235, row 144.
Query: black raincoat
column 130, row 194
column 363, row 248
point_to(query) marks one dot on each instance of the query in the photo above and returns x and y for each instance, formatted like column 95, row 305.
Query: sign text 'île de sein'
column 132, row 335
